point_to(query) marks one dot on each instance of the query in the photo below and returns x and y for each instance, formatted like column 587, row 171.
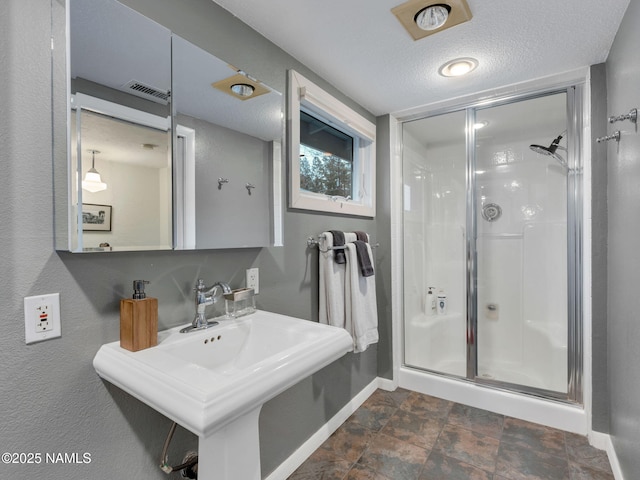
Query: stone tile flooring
column 405, row 435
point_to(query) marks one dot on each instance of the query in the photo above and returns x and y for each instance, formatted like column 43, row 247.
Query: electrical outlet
column 41, row 317
column 253, row 280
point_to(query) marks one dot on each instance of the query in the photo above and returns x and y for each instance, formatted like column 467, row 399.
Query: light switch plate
column 41, row 317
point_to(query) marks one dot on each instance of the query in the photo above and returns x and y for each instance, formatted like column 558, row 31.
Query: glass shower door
column 434, row 216
column 492, row 244
column 521, row 243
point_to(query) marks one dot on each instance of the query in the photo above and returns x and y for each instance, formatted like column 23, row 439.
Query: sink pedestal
column 233, row 451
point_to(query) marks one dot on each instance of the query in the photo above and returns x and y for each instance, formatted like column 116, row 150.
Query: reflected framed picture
column 96, row 218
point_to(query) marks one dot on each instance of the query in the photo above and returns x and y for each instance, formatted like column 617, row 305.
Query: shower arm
column 556, row 141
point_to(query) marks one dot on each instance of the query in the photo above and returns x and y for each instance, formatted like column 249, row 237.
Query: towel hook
column 222, row 181
column 614, row 136
column 249, row 186
column 632, row 116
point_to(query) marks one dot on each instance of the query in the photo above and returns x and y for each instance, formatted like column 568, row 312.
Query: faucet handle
column 200, row 285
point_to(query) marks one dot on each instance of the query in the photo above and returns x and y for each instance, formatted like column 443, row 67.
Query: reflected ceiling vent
column 148, row 92
column 426, row 17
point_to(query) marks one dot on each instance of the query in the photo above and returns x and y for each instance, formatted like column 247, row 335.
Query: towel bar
column 315, row 242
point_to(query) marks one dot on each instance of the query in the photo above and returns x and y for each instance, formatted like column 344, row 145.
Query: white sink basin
column 207, row 380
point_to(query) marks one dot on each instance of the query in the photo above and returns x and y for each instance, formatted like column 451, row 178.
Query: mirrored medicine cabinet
column 165, row 146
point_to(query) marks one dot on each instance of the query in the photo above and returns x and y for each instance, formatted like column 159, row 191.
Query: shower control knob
column 491, row 212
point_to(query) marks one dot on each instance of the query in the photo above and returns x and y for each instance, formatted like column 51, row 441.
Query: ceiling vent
column 148, row 92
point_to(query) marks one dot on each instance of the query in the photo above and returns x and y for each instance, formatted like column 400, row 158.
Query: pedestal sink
column 214, row 382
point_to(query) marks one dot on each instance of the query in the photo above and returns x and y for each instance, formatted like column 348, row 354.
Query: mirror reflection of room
column 134, row 165
column 120, row 78
column 215, row 120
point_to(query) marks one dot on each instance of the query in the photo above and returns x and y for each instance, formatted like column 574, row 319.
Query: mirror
column 237, row 139
column 184, row 161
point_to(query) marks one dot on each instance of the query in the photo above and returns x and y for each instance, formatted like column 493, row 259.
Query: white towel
column 361, row 318
column 332, row 282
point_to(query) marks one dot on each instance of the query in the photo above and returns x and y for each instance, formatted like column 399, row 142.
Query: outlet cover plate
column 253, row 280
column 41, row 318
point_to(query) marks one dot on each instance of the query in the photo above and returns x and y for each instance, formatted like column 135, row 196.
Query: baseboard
column 298, row 457
column 603, row 441
column 386, row 384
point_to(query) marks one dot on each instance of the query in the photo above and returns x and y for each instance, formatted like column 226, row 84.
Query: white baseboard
column 603, row 441
column 386, row 384
column 298, row 457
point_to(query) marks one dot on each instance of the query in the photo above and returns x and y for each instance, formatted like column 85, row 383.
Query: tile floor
column 405, row 435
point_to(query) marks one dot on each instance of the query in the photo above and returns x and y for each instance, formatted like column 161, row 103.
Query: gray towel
column 364, row 260
column 362, row 236
column 338, row 241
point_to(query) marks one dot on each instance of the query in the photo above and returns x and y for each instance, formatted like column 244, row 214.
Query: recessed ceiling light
column 422, row 18
column 242, row 89
column 241, row 86
column 432, row 17
column 458, row 67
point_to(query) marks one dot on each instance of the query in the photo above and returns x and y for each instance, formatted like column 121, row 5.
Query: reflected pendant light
column 92, row 181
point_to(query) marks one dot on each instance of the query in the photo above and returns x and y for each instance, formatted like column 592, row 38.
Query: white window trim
column 306, row 94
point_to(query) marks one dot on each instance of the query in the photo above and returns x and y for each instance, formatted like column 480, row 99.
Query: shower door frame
column 575, row 92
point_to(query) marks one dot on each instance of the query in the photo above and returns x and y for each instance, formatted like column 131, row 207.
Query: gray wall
column 623, row 78
column 51, row 399
column 228, row 216
column 600, row 397
column 383, row 252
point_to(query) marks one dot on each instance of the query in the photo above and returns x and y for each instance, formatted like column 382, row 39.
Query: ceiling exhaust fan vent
column 146, row 91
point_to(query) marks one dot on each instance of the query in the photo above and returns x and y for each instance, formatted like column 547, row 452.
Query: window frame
column 305, row 95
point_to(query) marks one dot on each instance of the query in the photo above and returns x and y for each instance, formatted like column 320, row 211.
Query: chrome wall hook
column 632, row 116
column 222, row 181
column 614, row 136
column 249, row 186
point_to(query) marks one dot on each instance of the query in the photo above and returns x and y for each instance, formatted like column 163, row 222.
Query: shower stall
column 492, row 245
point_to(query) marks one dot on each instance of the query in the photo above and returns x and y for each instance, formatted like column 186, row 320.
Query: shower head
column 550, row 151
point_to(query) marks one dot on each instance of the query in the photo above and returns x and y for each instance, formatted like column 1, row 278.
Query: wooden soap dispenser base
column 138, row 319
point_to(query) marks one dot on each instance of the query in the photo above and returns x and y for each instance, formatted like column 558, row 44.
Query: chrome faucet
column 205, row 296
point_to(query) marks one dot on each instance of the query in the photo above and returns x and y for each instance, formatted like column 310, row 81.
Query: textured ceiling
column 360, row 47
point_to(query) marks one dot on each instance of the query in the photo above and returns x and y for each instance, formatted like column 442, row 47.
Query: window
column 332, row 153
column 326, row 158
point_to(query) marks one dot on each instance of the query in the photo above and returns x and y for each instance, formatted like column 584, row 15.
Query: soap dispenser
column 430, row 302
column 138, row 319
column 442, row 303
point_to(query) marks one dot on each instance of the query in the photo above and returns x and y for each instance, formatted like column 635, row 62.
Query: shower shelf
column 502, row 235
column 426, row 320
